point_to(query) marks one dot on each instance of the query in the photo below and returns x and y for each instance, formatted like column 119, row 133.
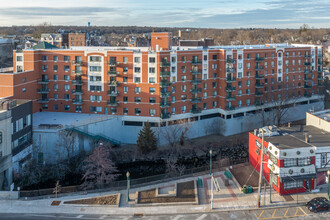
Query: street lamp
column 211, row 162
column 328, row 172
column 128, row 185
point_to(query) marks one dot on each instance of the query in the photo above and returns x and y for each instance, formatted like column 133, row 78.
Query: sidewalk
column 228, row 198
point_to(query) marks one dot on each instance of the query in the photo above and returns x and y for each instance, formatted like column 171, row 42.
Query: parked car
column 318, row 204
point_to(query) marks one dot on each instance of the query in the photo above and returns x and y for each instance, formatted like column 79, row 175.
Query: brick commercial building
column 231, row 85
column 296, row 157
column 74, row 39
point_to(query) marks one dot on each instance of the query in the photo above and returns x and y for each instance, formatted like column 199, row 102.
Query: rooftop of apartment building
column 325, row 115
column 295, row 136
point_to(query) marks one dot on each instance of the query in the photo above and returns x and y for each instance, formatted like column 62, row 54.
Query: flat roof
column 325, row 115
column 294, row 137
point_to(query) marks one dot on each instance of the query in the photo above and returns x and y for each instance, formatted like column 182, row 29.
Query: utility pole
column 270, row 187
column 261, row 167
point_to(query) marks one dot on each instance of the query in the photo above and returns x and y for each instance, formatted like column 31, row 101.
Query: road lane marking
column 261, row 213
column 201, row 217
column 286, row 212
column 79, row 216
column 274, row 213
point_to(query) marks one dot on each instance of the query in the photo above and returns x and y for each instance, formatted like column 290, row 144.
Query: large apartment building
column 162, row 82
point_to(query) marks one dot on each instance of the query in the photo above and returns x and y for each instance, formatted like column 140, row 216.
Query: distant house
column 54, row 39
column 30, row 43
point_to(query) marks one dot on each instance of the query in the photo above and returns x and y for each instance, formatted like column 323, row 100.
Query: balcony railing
column 230, row 108
column 196, row 62
column 77, row 72
column 196, row 100
column 165, row 73
column 194, row 72
column 230, row 70
column 77, row 101
column 308, row 72
column 196, row 81
column 77, row 82
column 307, row 86
column 198, row 90
column 165, row 104
column 164, row 84
column 196, row 110
column 230, row 88
column 43, row 100
column 259, row 59
column 165, row 63
column 165, row 115
column 308, row 79
column 259, row 76
column 307, row 56
column 165, row 94
column 258, row 103
column 112, row 93
column 258, row 93
column 112, row 73
column 112, row 63
column 77, row 62
column 43, row 91
column 259, row 67
column 112, row 83
column 259, row 85
column 76, row 91
column 112, row 103
column 230, row 79
column 43, row 81
column 230, row 97
column 230, row 60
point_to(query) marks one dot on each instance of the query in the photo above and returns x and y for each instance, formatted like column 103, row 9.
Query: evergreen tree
column 147, row 140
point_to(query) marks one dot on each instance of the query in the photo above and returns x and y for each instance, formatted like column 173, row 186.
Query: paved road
column 262, row 214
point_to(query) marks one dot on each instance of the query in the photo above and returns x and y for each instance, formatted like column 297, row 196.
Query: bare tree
column 57, row 188
column 66, row 143
column 99, row 168
column 176, row 131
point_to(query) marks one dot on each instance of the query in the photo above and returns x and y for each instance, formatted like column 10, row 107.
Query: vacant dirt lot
column 102, row 200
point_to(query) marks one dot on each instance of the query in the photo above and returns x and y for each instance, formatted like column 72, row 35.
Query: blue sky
column 171, row 13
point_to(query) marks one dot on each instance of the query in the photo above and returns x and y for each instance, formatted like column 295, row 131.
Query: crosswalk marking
column 201, row 217
column 79, row 216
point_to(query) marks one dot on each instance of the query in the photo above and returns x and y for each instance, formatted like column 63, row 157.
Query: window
column 95, row 78
column 173, row 69
column 184, row 58
column 183, row 69
column 293, row 184
column 95, row 88
column 239, row 92
column 173, row 110
column 152, row 59
column 152, row 90
column 95, row 98
column 173, row 99
column 125, row 99
column 239, row 103
column 66, row 87
column 137, row 69
column 239, row 83
column 239, row 75
column 137, row 99
column 95, row 68
column 183, row 88
column 137, row 79
column 55, row 96
column 248, row 65
column 125, row 59
column 214, row 104
column 183, row 109
column 55, row 67
column 55, row 87
column 173, row 59
column 152, row 100
column 183, row 97
column 66, row 77
column 125, row 88
column 125, row 69
column 214, row 66
column 152, row 80
column 137, row 111
column 125, row 111
column 214, row 93
column 248, row 56
column 215, row 57
column 214, row 85
column 291, row 162
column 152, row 111
column 95, row 59
column 66, row 68
column 248, row 102
column 324, row 158
column 95, row 109
column 66, row 96
column 44, row 67
column 66, row 58
column 56, row 107
column 248, row 83
column 137, row 59
column 304, row 161
column 137, row 89
column 125, row 79
column 66, row 107
column 152, row 70
column 183, row 78
column 44, row 58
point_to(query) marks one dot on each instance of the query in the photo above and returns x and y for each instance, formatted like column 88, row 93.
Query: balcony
column 231, row 60
column 259, row 67
column 77, row 82
column 195, row 72
column 77, row 62
column 43, row 91
column 230, row 108
column 230, row 70
column 112, row 93
column 230, row 79
column 307, row 79
column 258, row 93
column 112, row 73
column 43, row 81
column 112, row 103
column 259, row 59
column 307, row 95
column 112, row 63
column 230, row 88
column 307, row 72
column 260, row 85
column 259, row 103
column 77, row 72
column 319, row 63
column 259, row 76
column 196, row 81
column 320, row 84
column 165, row 94
column 307, row 63
column 77, row 101
column 165, row 74
column 307, row 86
column 164, row 84
column 196, row 110
column 76, row 91
column 307, row 56
column 319, row 77
column 165, row 104
column 196, row 62
column 230, row 98
column 112, row 83
column 196, row 100
column 165, row 63
column 165, row 115
column 44, row 100
column 196, row 91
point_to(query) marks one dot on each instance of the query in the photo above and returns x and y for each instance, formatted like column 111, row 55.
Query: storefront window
column 293, row 184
